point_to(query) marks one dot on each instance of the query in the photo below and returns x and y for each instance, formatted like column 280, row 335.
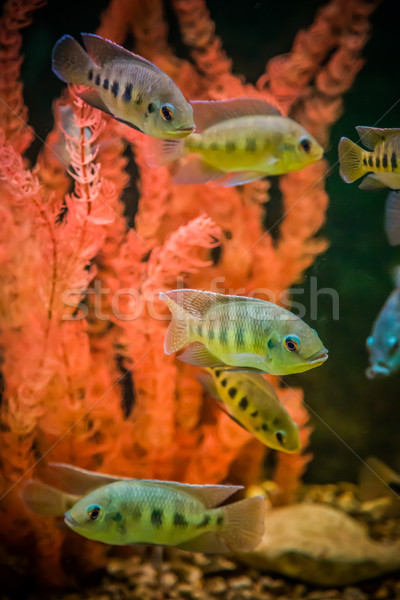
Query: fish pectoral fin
column 259, row 364
column 131, row 125
column 209, row 112
column 92, row 98
column 240, row 178
column 371, row 182
column 195, row 171
column 197, row 354
column 208, row 543
column 207, row 381
column 232, row 418
column 392, row 218
column 103, row 51
column 371, row 136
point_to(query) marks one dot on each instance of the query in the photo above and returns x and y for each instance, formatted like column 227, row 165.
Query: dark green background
column 363, row 414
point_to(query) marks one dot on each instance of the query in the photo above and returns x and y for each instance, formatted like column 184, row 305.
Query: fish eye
column 166, row 111
column 280, row 436
column 151, row 108
column 94, row 512
column 291, row 343
column 305, row 144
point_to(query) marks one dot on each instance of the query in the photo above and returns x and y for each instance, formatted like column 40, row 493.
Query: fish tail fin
column 70, row 62
column 378, row 480
column 243, row 525
column 177, row 335
column 46, row 500
column 350, row 158
column 162, row 152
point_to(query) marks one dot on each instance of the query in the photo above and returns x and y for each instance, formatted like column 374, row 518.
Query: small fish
column 238, row 141
column 169, row 514
column 238, row 332
column 252, row 402
column 383, row 344
column 124, row 85
column 377, row 480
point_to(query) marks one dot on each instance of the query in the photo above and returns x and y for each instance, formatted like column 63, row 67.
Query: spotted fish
column 252, row 402
column 237, row 141
column 124, row 85
column 239, row 333
column 169, row 514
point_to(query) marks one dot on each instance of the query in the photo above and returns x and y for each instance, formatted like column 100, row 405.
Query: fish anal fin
column 103, row 51
column 195, row 171
column 209, row 112
column 92, row 98
column 371, row 182
column 195, row 302
column 371, row 136
column 197, row 354
column 392, row 218
column 240, row 178
column 208, row 543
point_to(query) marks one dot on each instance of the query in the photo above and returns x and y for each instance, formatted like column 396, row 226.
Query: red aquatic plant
column 85, row 377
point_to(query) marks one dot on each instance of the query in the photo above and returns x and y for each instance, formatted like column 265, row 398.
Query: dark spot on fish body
column 139, row 100
column 230, row 147
column 370, row 160
column 224, row 382
column 90, row 75
column 223, row 336
column 214, row 146
column 105, row 84
column 217, row 373
column 220, row 520
column 200, row 330
column 232, row 392
column 364, row 161
column 385, row 161
column 115, row 89
column 211, row 333
column 117, row 517
column 135, row 513
column 264, row 427
column 258, row 428
column 393, row 161
column 239, row 337
column 157, row 517
column 270, row 344
column 179, row 520
column 127, row 95
column 122, row 529
column 97, row 80
column 204, row 522
column 243, row 404
column 377, row 162
column 254, row 414
column 251, row 145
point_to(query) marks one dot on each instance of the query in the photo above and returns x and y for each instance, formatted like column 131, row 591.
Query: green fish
column 251, row 401
column 121, row 510
column 238, row 332
column 124, row 85
column 237, row 141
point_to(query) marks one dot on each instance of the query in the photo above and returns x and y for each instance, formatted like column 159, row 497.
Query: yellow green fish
column 241, row 333
column 121, row 511
column 252, row 402
column 124, row 85
column 237, row 141
column 381, row 160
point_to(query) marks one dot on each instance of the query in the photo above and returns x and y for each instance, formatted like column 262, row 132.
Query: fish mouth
column 319, row 357
column 183, row 131
column 377, row 371
column 69, row 520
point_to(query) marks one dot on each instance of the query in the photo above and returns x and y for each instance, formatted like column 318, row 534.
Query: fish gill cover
column 100, row 392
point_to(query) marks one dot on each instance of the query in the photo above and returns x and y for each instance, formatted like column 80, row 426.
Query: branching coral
column 86, row 378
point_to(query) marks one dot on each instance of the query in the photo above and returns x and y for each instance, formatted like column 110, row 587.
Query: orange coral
column 86, row 378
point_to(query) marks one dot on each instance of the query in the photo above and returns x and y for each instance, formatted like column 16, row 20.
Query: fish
column 381, row 160
column 383, row 344
column 124, row 85
column 252, row 402
column 239, row 333
column 236, row 141
column 169, row 514
column 378, row 480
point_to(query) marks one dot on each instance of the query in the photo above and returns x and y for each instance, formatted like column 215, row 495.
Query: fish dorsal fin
column 371, row 182
column 242, row 177
column 371, row 136
column 263, row 384
column 103, row 51
column 209, row 495
column 209, row 112
column 198, row 303
column 197, row 354
column 79, row 481
column 208, row 543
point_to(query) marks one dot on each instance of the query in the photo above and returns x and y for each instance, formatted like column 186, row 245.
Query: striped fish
column 251, row 401
column 124, row 85
column 241, row 333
